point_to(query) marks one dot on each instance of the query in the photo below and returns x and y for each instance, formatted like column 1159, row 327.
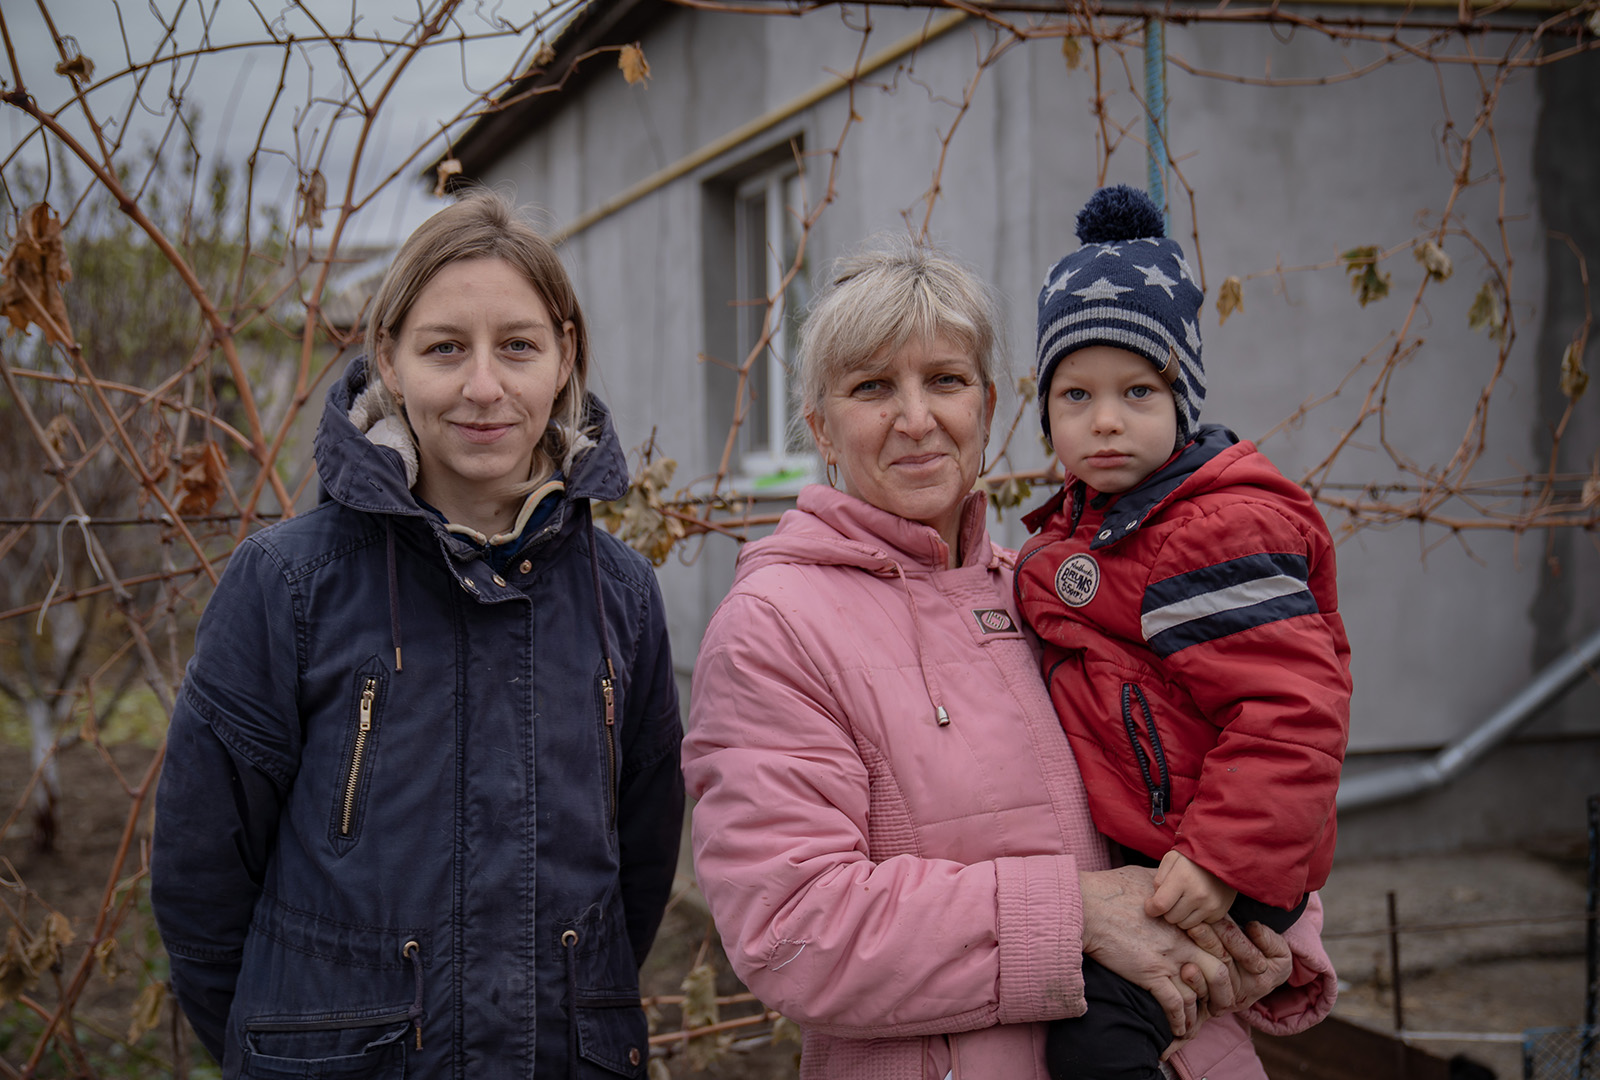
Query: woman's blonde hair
column 891, row 291
column 486, row 224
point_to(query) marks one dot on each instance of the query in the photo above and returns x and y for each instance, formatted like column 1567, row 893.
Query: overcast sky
column 233, row 87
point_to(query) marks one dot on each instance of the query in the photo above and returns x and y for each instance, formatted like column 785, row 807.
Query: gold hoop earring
column 832, row 472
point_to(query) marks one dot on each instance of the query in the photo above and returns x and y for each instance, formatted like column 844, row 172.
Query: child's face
column 1113, row 419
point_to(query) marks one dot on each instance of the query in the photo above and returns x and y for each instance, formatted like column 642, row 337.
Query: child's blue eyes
column 1079, row 395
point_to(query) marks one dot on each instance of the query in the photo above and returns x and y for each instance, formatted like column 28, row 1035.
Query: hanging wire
column 82, row 522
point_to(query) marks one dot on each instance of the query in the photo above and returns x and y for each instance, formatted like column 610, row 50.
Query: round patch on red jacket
column 1077, row 579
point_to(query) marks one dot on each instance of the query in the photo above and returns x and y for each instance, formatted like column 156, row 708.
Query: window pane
column 752, row 242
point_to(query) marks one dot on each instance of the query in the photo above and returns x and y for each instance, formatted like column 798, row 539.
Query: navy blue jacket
column 363, row 871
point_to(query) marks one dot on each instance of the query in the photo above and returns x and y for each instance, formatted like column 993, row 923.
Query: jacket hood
column 830, row 528
column 362, row 458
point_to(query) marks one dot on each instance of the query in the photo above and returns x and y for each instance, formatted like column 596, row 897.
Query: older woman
column 421, row 808
column 892, row 832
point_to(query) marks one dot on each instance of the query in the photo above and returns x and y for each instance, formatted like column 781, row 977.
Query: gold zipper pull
column 368, row 694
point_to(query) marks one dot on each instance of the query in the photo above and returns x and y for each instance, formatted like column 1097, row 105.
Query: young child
column 1185, row 594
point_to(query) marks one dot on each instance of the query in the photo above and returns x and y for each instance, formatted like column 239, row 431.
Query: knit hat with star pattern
column 1127, row 286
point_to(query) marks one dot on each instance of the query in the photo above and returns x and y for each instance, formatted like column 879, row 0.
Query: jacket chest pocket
column 371, row 1048
column 358, row 759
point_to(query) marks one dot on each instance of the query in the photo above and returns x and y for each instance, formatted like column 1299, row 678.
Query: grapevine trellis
column 174, row 314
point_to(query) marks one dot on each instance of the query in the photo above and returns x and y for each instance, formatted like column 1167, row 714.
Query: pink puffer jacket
column 906, row 889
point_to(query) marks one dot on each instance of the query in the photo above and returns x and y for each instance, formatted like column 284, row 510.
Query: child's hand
column 1187, row 894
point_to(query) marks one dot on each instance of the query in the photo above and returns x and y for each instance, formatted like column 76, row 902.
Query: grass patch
column 138, row 718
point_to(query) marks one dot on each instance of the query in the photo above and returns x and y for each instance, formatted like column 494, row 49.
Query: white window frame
column 776, row 464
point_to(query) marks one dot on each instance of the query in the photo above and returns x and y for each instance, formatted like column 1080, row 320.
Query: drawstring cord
column 394, row 594
column 569, row 942
column 929, row 679
column 413, row 952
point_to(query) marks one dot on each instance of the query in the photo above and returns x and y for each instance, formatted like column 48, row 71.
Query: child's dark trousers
column 1123, row 1032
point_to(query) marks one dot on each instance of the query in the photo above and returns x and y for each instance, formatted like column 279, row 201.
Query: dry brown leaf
column 447, row 168
column 75, row 65
column 313, row 199
column 16, row 974
column 32, row 275
column 80, row 68
column 157, row 458
column 1574, row 378
column 658, row 1070
column 1434, row 260
column 24, row 961
column 146, row 1013
column 53, row 936
column 1012, row 491
column 544, row 57
column 1486, row 313
column 1230, row 298
column 1591, row 492
column 200, row 473
column 700, row 1010
column 1072, row 52
column 635, row 68
column 1027, row 387
column 62, row 435
column 785, row 1030
column 105, row 957
column 640, row 519
column 1366, row 281
column 1594, row 23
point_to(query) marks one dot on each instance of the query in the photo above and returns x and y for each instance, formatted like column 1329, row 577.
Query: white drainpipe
column 1401, row 781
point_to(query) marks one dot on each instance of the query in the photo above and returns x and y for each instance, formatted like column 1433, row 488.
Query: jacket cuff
column 1312, row 988
column 1039, row 923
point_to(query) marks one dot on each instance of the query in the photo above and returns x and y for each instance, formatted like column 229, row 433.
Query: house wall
column 1443, row 627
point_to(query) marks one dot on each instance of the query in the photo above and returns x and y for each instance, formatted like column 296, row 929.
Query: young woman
column 421, row 805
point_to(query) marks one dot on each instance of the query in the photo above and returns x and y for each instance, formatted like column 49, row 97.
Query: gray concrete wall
column 1443, row 626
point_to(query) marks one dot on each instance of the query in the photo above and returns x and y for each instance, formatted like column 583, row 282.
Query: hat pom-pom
column 1119, row 213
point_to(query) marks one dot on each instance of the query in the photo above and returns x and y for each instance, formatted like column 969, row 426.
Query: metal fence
column 1561, row 1053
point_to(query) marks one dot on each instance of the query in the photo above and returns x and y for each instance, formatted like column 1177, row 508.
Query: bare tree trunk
column 48, row 709
column 47, row 792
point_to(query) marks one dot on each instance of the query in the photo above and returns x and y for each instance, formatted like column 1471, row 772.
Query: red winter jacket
column 1196, row 657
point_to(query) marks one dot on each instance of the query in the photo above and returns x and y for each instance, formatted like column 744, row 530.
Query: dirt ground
column 1497, row 946
column 1525, row 969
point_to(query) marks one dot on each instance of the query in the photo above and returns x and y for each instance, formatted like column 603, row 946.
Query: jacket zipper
column 369, row 694
column 608, row 691
column 1159, row 784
